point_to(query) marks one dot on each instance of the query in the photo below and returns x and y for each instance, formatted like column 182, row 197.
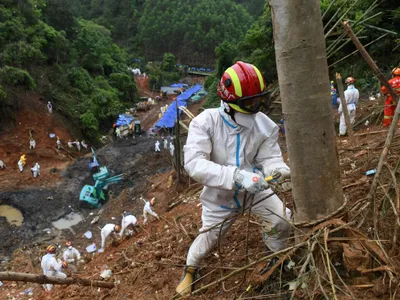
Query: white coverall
column 78, row 145
column 216, row 147
column 71, row 255
column 49, row 107
column 148, row 211
column 351, row 95
column 157, row 146
column 58, row 144
column 171, row 149
column 20, row 166
column 51, row 267
column 70, row 144
column 84, row 145
column 165, row 144
column 2, row 164
column 36, row 170
column 126, row 222
column 32, row 144
column 105, row 232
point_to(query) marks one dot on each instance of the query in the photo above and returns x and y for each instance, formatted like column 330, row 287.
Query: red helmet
column 396, row 72
column 64, row 265
column 349, row 80
column 68, row 244
column 117, row 228
column 243, row 87
column 51, row 249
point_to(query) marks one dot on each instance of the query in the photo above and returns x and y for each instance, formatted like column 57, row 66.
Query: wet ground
column 42, row 206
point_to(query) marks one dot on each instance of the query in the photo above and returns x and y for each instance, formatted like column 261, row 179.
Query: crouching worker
column 129, row 222
column 224, row 147
column 51, row 267
column 72, row 256
column 106, row 231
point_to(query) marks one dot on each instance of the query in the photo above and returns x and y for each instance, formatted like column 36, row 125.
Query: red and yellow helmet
column 117, row 228
column 68, row 244
column 349, row 80
column 243, row 88
column 64, row 264
column 396, row 72
column 51, row 249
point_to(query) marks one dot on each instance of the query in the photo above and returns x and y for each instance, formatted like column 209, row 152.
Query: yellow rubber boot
column 185, row 285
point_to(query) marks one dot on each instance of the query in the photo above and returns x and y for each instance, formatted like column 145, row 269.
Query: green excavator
column 93, row 196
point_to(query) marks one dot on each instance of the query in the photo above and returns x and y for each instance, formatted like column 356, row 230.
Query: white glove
column 251, row 182
column 281, row 174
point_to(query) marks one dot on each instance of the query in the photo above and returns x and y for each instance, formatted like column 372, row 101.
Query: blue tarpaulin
column 169, row 117
column 123, row 120
column 178, row 85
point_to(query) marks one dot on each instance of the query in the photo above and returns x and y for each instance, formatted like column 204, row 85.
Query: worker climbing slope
column 224, row 148
column 128, row 221
column 390, row 104
column 147, row 210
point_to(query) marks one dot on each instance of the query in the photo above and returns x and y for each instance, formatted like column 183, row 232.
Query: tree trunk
column 42, row 279
column 306, row 102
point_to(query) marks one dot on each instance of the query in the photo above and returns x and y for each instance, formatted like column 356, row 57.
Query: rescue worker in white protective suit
column 20, row 166
column 128, row 221
column 147, row 210
column 51, row 267
column 157, row 146
column 58, row 143
column 35, row 170
column 106, row 231
column 165, row 144
column 2, row 165
column 171, row 148
column 32, row 144
column 78, row 145
column 224, row 148
column 49, row 107
column 72, row 256
column 351, row 95
column 84, row 145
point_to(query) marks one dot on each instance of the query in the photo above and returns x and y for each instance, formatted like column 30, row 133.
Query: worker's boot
column 185, row 286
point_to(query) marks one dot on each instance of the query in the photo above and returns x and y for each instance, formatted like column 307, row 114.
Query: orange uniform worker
column 390, row 105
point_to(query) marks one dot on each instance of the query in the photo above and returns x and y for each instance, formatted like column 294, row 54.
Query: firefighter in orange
column 390, row 105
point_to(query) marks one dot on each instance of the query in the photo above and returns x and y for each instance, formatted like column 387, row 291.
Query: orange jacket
column 395, row 83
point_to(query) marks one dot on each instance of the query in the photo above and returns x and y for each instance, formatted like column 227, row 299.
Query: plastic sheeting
column 169, row 117
column 178, row 85
column 123, row 120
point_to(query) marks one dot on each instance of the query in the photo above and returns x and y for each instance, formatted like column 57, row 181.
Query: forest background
column 76, row 53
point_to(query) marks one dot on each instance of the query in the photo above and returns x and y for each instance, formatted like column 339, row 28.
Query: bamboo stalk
column 341, row 18
column 326, row 11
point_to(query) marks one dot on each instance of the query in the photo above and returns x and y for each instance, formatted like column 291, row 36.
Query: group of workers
column 166, row 142
column 55, row 267
column 77, row 144
column 352, row 96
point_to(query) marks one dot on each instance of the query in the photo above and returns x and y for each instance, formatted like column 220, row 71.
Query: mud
column 42, row 206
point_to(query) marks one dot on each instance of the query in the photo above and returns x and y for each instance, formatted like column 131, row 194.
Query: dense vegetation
column 76, row 53
column 74, row 64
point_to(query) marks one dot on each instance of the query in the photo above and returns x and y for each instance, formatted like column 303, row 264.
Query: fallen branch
column 43, row 279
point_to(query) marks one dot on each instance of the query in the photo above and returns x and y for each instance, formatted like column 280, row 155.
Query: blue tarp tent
column 123, row 120
column 178, row 85
column 169, row 117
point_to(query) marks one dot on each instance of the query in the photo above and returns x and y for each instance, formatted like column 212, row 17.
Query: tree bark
column 42, row 279
column 344, row 107
column 306, row 102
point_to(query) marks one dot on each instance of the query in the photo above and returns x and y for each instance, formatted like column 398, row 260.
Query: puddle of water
column 13, row 215
column 68, row 221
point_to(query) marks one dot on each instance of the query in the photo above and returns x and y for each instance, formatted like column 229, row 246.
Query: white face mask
column 245, row 120
column 69, row 247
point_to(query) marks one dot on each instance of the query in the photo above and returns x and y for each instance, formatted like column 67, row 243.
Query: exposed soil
column 149, row 264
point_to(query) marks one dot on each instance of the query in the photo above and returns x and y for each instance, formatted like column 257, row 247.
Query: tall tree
column 303, row 77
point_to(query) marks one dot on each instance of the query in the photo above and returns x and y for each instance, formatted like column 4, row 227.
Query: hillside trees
column 74, row 64
column 191, row 29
